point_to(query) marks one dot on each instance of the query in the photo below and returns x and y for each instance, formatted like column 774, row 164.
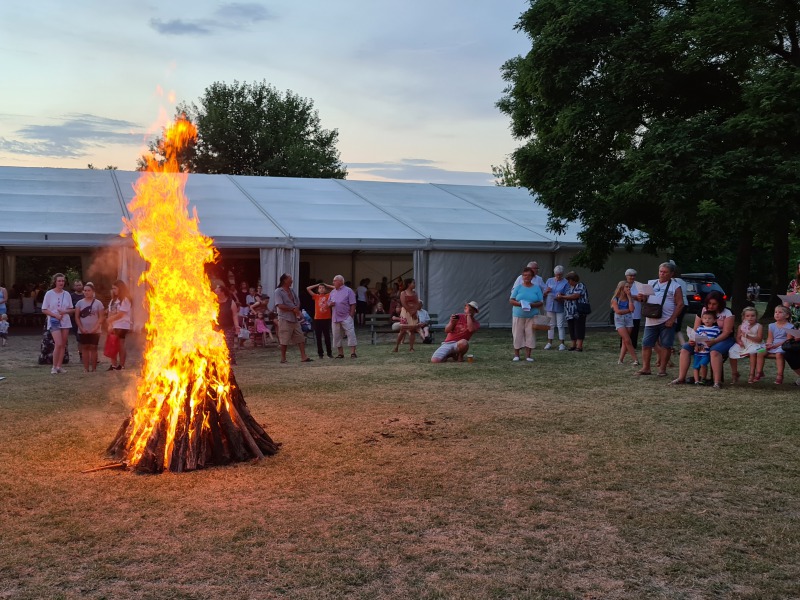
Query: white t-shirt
column 124, row 307
column 56, row 302
column 669, row 304
column 637, row 306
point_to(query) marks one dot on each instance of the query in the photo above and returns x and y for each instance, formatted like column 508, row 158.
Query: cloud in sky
column 77, row 135
column 418, row 170
column 234, row 15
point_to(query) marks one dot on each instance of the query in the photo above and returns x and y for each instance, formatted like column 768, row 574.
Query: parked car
column 698, row 285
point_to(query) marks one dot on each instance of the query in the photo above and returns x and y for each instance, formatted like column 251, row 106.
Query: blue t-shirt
column 532, row 294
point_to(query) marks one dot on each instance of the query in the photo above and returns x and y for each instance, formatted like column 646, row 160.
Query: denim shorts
column 54, row 324
column 662, row 333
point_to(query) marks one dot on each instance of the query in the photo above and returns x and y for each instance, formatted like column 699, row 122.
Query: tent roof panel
column 242, row 211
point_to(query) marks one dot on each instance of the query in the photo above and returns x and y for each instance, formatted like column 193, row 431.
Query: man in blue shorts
column 669, row 296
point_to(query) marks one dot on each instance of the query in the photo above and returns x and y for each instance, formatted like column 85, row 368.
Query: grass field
column 565, row 478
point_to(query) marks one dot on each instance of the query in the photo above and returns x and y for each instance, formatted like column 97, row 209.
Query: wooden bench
column 382, row 324
column 27, row 319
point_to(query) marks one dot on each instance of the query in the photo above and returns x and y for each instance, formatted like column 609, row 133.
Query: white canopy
column 84, row 208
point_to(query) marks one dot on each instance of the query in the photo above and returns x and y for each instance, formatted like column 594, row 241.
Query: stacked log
column 228, row 435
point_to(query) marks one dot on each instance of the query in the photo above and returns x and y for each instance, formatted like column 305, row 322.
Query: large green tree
column 254, row 129
column 669, row 123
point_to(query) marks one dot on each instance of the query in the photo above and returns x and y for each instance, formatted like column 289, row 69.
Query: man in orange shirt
column 322, row 316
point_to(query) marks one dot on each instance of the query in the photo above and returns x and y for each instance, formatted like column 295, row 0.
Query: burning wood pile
column 190, row 412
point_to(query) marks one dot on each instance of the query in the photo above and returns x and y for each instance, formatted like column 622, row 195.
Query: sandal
column 677, row 381
column 306, row 359
column 353, row 355
column 778, row 379
column 283, row 362
column 340, row 356
column 751, row 380
column 662, row 373
column 639, row 373
column 735, row 377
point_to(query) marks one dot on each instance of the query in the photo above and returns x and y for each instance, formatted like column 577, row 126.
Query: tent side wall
column 456, row 277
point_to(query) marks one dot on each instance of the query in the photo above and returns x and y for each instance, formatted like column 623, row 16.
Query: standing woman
column 227, row 319
column 89, row 318
column 576, row 320
column 3, row 299
column 555, row 289
column 119, row 321
column 322, row 317
column 410, row 303
column 630, row 277
column 623, row 308
column 57, row 305
column 526, row 299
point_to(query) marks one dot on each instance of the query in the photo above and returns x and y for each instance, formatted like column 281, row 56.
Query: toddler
column 3, row 329
column 775, row 338
column 262, row 329
column 748, row 341
column 702, row 352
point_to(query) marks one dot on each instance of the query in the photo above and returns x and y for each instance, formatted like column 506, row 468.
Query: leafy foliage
column 253, row 129
column 676, row 118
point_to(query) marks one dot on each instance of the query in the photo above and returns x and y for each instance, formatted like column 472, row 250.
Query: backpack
column 46, row 349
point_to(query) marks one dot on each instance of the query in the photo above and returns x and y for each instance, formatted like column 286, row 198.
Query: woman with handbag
column 119, row 324
column 661, row 310
column 576, row 308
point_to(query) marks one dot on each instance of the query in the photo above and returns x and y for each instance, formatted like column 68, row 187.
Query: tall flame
column 186, row 361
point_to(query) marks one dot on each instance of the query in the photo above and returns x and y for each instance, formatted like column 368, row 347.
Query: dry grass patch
column 567, row 478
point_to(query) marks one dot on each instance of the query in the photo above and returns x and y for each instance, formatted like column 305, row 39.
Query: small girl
column 622, row 305
column 749, row 340
column 775, row 338
column 3, row 329
column 262, row 329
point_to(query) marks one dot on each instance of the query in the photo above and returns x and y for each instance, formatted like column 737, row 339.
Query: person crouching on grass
column 459, row 330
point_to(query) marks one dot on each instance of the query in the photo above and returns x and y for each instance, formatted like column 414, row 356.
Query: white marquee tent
column 461, row 242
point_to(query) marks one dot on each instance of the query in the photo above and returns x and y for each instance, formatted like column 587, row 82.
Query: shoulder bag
column 654, row 311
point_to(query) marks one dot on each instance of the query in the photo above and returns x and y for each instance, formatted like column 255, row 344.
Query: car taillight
column 696, row 298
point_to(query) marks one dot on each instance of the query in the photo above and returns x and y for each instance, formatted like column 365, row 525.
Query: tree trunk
column 741, row 271
column 780, row 260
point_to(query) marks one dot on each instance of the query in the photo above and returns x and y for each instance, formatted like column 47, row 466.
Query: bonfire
column 190, row 413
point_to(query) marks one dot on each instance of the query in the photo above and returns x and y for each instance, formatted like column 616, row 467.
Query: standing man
column 537, row 279
column 661, row 329
column 459, row 330
column 342, row 301
column 287, row 303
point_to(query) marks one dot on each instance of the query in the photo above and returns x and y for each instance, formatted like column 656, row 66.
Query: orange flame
column 186, row 360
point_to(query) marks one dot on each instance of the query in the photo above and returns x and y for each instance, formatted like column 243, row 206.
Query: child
column 622, row 307
column 702, row 352
column 4, row 328
column 262, row 329
column 775, row 338
column 748, row 341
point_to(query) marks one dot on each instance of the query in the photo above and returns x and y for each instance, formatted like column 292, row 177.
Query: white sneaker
column 53, row 371
column 548, row 346
column 529, row 359
column 60, row 370
column 562, row 347
column 515, row 359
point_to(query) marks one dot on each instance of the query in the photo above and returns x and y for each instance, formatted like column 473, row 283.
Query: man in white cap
column 459, row 330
